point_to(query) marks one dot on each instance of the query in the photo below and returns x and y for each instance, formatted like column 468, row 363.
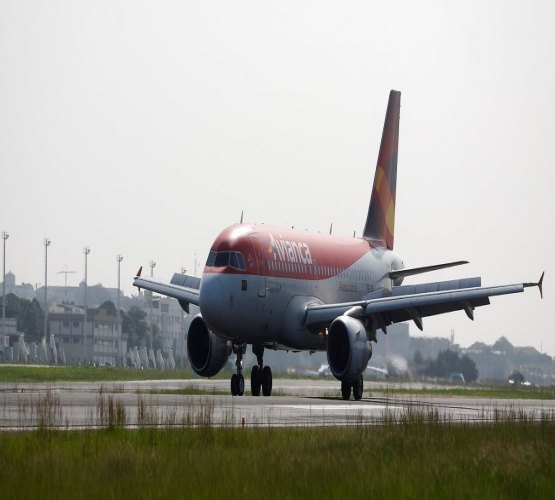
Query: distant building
column 23, row 291
column 498, row 361
column 98, row 339
column 168, row 316
column 9, row 328
column 397, row 343
column 429, row 347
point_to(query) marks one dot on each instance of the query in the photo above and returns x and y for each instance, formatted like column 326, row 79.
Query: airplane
column 282, row 288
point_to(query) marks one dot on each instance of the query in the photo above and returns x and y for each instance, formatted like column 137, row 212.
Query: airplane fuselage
column 259, row 279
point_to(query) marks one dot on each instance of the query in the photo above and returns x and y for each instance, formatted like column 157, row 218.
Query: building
column 96, row 338
column 168, row 317
column 7, row 330
column 23, row 291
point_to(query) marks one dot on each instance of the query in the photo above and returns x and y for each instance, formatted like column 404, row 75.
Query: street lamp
column 119, row 258
column 46, row 245
column 86, row 251
column 5, row 236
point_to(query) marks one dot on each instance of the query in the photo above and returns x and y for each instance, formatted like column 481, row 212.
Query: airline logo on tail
column 380, row 223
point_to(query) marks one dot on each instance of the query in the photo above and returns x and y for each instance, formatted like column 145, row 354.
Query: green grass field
column 413, row 459
column 24, row 373
column 45, row 374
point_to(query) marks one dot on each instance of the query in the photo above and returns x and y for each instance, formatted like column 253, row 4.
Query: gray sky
column 144, row 128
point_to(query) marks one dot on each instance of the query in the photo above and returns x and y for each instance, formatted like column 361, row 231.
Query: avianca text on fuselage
column 289, row 251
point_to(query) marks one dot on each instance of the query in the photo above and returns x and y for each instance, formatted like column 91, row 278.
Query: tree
column 29, row 315
column 468, row 369
column 109, row 307
column 517, row 377
column 135, row 325
column 448, row 362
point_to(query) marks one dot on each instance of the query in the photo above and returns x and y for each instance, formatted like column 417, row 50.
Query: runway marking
column 334, row 407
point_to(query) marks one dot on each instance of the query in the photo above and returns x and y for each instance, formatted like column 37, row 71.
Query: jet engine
column 207, row 352
column 348, row 348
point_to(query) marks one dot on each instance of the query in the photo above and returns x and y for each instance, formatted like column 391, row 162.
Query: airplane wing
column 413, row 302
column 182, row 287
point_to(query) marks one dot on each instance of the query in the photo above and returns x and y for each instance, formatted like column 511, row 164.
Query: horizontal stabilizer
column 402, row 273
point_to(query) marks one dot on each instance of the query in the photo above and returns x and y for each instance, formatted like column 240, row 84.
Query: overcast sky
column 144, row 128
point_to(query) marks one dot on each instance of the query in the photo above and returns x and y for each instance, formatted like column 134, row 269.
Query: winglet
column 539, row 284
column 138, row 275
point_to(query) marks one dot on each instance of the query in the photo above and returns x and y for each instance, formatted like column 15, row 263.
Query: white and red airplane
column 280, row 288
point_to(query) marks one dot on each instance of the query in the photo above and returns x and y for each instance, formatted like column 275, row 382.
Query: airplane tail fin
column 380, row 222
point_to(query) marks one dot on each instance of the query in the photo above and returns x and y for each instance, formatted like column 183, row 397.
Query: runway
column 76, row 405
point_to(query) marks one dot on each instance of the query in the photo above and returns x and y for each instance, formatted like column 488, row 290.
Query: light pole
column 119, row 258
column 5, row 236
column 46, row 245
column 86, row 251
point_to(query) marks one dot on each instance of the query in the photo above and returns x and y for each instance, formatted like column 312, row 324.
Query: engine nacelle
column 207, row 352
column 348, row 348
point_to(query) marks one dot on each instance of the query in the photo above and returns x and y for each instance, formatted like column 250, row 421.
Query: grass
column 24, row 373
column 411, row 459
column 46, row 374
column 493, row 392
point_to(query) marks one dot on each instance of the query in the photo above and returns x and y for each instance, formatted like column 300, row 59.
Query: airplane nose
column 211, row 300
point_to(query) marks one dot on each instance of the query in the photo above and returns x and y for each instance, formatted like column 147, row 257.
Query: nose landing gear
column 237, row 379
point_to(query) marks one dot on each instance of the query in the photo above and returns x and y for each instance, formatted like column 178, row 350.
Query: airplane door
column 260, row 266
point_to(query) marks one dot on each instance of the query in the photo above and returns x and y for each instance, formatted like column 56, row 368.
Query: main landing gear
column 356, row 386
column 261, row 376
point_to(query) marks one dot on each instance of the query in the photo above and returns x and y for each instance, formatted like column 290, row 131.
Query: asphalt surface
column 76, row 405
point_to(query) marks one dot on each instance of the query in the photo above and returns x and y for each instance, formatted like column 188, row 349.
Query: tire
column 358, row 388
column 234, row 384
column 240, row 385
column 266, row 381
column 256, row 380
column 346, row 390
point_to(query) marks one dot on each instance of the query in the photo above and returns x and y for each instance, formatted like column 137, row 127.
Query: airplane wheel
column 240, row 385
column 234, row 384
column 256, row 381
column 266, row 381
column 346, row 390
column 358, row 388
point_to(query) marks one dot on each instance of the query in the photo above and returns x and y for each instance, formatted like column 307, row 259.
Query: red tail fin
column 380, row 222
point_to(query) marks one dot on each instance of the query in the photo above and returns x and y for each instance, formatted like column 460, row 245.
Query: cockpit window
column 222, row 259
column 241, row 260
column 211, row 259
column 225, row 259
column 233, row 262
